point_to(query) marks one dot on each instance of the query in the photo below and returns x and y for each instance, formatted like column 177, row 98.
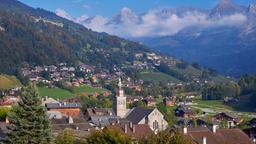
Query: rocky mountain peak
column 226, row 7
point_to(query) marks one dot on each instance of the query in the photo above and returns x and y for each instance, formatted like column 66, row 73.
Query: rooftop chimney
column 125, row 128
column 185, row 130
column 214, row 128
column 204, row 140
column 70, row 120
column 133, row 129
column 130, row 123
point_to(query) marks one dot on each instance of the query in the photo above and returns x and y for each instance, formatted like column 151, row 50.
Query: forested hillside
column 40, row 37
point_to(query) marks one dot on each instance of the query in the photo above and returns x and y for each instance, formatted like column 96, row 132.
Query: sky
column 139, row 18
column 108, row 8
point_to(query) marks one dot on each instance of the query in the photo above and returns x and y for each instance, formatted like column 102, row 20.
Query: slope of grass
column 218, row 106
column 157, row 77
column 8, row 82
column 88, row 89
column 191, row 71
column 55, row 93
column 58, row 93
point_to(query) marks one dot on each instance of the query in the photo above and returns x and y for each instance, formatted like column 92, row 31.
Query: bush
column 108, row 137
column 166, row 137
column 66, row 137
column 3, row 113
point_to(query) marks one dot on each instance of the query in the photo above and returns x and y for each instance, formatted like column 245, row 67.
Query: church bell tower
column 119, row 105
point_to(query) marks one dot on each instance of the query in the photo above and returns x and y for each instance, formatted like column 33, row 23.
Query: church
column 151, row 117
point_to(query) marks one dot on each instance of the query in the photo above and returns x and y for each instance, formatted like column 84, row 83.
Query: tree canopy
column 28, row 121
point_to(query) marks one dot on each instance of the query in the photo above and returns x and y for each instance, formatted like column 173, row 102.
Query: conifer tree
column 28, row 120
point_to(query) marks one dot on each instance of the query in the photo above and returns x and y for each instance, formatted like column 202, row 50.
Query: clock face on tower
column 120, row 102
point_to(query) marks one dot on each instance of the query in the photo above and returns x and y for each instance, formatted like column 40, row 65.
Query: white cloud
column 151, row 24
column 82, row 18
column 96, row 23
column 64, row 14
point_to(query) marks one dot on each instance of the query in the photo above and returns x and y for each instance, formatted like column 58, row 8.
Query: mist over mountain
column 222, row 38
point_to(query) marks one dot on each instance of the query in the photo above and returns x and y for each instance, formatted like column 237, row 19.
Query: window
column 155, row 125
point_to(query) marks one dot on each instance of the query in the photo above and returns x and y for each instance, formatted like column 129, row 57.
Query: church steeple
column 119, row 105
column 120, row 92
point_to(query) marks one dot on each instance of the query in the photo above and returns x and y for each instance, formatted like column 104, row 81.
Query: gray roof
column 62, row 105
column 137, row 114
column 100, row 116
column 100, row 112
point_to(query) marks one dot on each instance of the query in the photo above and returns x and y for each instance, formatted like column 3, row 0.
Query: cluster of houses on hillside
column 76, row 76
column 150, row 60
column 139, row 122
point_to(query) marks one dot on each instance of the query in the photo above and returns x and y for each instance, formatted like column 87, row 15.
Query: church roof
column 137, row 114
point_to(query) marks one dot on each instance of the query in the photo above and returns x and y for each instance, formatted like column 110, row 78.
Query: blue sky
column 108, row 8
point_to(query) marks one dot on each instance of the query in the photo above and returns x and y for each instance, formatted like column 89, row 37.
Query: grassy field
column 55, row 93
column 8, row 82
column 191, row 71
column 58, row 93
column 157, row 77
column 215, row 106
column 88, row 89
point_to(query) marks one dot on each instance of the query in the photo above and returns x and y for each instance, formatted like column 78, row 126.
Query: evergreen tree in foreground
column 28, row 121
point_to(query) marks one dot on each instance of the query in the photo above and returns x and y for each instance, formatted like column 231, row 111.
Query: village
column 138, row 122
column 98, row 99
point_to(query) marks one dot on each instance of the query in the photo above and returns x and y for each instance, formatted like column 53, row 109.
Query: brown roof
column 79, row 123
column 99, row 111
column 222, row 136
column 222, row 115
column 141, row 130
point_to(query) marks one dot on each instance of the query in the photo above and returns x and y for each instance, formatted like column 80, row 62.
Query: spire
column 120, row 84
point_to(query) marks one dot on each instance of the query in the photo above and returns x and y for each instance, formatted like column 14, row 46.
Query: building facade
column 119, row 105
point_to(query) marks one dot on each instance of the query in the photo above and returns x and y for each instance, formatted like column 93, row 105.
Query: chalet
column 134, row 131
column 152, row 117
column 51, row 68
column 231, row 119
column 33, row 77
column 100, row 116
column 139, row 55
column 190, row 95
column 79, row 125
column 168, row 101
column 230, row 100
column 8, row 100
column 184, row 111
column 85, row 68
column 46, row 100
column 203, row 135
column 132, row 99
column 69, row 109
column 72, row 100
